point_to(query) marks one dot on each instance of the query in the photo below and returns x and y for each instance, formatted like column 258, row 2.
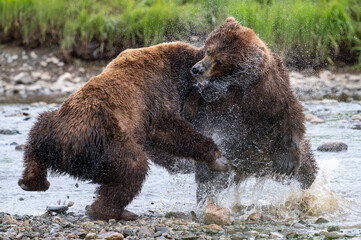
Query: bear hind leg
column 129, row 167
column 34, row 177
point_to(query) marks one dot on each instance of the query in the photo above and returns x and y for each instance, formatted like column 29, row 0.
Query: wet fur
column 249, row 107
column 103, row 132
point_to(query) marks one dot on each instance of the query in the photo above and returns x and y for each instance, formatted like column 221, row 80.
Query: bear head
column 233, row 55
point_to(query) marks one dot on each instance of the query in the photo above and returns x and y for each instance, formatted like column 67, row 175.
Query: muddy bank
column 35, row 75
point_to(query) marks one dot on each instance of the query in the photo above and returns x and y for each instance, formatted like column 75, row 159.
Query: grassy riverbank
column 303, row 32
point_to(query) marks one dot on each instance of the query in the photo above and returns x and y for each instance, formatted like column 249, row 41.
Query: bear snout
column 197, row 70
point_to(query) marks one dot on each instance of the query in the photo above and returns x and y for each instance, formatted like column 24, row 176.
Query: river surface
column 335, row 195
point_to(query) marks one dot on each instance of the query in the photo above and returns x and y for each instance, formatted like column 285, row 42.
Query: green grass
column 301, row 31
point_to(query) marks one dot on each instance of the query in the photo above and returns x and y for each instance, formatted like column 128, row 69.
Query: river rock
column 145, row 232
column 91, row 236
column 356, row 127
column 332, row 235
column 332, row 147
column 217, row 215
column 356, row 117
column 57, row 209
column 161, row 229
column 313, row 119
column 23, row 78
column 20, row 147
column 255, row 217
column 333, row 228
column 321, row 220
column 9, row 131
column 213, row 227
column 175, row 215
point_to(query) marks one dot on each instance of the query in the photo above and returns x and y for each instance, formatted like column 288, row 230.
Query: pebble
column 356, row 117
column 217, row 215
column 9, row 131
column 57, row 209
column 23, row 78
column 313, row 119
column 332, row 235
column 321, row 220
column 332, row 147
column 255, row 217
column 175, row 215
column 333, row 228
column 91, row 236
column 20, row 147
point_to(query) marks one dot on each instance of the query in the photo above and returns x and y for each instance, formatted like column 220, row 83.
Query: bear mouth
column 202, row 84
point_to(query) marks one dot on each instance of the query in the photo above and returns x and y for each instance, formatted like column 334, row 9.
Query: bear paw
column 220, row 164
column 38, row 185
column 104, row 215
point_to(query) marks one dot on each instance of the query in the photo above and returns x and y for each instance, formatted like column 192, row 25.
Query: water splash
column 285, row 202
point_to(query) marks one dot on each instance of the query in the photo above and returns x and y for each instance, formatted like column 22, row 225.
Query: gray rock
column 161, row 229
column 332, row 147
column 321, row 220
column 20, row 147
column 333, row 228
column 9, row 131
column 175, row 215
column 128, row 232
column 23, row 78
column 332, row 235
column 57, row 209
column 111, row 236
column 356, row 127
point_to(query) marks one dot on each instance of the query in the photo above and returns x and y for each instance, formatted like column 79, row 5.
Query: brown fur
column 245, row 99
column 101, row 132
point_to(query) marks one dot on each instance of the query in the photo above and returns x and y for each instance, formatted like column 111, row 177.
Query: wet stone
column 176, row 215
column 255, row 217
column 161, row 229
column 9, row 131
column 332, row 235
column 217, row 215
column 91, row 236
column 128, row 232
column 57, row 209
column 333, row 228
column 111, row 236
column 332, row 147
column 321, row 220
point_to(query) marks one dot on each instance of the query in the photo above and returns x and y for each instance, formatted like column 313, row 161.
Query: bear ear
column 231, row 20
column 231, row 23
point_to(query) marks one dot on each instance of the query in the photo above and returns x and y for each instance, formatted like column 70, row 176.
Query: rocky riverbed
column 169, row 226
column 39, row 73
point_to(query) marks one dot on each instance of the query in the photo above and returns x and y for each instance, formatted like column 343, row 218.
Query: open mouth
column 202, row 84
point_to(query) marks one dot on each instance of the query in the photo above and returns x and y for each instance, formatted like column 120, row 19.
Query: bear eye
column 218, row 62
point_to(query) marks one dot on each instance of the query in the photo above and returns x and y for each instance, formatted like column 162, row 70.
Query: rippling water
column 336, row 193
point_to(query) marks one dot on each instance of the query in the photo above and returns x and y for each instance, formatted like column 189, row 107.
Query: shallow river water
column 335, row 195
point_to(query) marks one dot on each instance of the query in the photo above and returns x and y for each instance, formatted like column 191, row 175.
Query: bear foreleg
column 177, row 137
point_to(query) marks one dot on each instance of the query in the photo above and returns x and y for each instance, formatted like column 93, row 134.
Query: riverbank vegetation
column 303, row 32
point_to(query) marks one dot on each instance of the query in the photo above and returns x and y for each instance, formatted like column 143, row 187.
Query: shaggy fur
column 102, row 132
column 245, row 101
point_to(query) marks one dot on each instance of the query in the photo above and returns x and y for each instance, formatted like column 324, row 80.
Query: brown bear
column 102, row 131
column 245, row 101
